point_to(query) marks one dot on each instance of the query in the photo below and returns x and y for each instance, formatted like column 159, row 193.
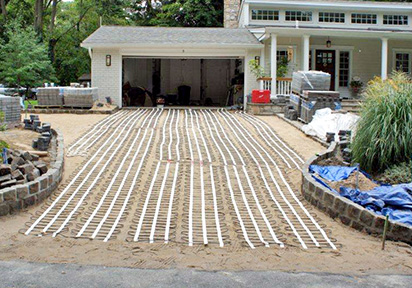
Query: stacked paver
column 50, row 96
column 310, row 92
column 80, row 97
column 20, row 167
column 10, row 106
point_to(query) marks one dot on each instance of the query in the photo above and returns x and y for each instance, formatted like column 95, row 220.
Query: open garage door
column 182, row 82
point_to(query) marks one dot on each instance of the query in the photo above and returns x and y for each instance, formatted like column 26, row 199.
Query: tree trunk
column 53, row 16
column 38, row 18
column 3, row 8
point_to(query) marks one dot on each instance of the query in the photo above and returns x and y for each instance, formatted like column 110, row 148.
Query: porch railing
column 283, row 85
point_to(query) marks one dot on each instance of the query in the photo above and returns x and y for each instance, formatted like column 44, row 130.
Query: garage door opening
column 148, row 82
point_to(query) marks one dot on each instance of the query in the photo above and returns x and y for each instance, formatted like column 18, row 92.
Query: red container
column 260, row 96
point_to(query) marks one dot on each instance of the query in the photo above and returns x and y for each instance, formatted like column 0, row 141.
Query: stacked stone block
column 348, row 212
column 231, row 13
column 18, row 197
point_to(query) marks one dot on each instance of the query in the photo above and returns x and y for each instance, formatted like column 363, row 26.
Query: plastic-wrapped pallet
column 10, row 106
column 80, row 97
column 49, row 96
column 310, row 80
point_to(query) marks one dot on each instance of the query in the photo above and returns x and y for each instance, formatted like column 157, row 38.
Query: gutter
column 308, row 4
column 164, row 45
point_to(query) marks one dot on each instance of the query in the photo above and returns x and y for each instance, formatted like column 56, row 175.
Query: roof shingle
column 124, row 35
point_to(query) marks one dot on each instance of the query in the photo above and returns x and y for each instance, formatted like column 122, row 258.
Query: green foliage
column 178, row 13
column 3, row 126
column 397, row 174
column 282, row 67
column 23, row 60
column 256, row 69
column 384, row 132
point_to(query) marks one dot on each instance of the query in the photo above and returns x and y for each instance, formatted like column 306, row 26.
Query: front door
column 325, row 62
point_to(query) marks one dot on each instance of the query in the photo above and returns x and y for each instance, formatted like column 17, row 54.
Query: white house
column 344, row 38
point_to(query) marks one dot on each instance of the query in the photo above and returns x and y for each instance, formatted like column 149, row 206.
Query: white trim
column 186, row 53
column 401, row 50
column 367, row 5
column 202, row 46
column 333, row 47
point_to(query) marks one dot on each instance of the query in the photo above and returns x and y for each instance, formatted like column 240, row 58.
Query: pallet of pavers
column 50, row 96
column 310, row 80
column 80, row 97
column 315, row 100
column 10, row 106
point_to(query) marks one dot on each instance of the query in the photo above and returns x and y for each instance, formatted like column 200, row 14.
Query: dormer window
column 304, row 16
column 395, row 19
column 268, row 15
column 331, row 17
column 364, row 18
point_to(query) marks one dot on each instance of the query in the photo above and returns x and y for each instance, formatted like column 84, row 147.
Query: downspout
column 90, row 53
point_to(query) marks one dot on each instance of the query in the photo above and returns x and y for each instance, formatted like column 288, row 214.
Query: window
column 281, row 54
column 270, row 15
column 344, row 69
column 331, row 17
column 402, row 62
column 395, row 19
column 359, row 18
column 299, row 16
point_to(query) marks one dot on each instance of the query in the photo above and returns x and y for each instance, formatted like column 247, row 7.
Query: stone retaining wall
column 348, row 212
column 20, row 196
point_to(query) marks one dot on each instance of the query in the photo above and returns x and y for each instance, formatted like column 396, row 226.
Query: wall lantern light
column 328, row 43
column 257, row 59
column 108, row 60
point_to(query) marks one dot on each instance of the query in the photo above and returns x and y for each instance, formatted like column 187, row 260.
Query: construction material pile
column 310, row 92
column 11, row 109
column 50, row 96
column 67, row 96
column 310, row 80
column 20, row 167
column 34, row 123
column 80, row 97
column 326, row 124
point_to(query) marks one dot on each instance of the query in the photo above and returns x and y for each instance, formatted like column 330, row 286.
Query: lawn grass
column 31, row 102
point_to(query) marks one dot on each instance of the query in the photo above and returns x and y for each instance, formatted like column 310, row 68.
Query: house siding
column 366, row 54
column 250, row 79
column 107, row 78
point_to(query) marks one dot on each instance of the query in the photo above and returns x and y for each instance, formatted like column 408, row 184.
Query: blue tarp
column 394, row 201
column 332, row 173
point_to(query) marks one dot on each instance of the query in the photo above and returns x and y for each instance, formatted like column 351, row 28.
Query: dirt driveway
column 199, row 189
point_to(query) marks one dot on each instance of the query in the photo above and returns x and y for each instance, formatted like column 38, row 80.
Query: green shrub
column 384, row 132
column 397, row 174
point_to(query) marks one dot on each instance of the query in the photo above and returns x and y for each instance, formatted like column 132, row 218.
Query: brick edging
column 20, row 196
column 348, row 212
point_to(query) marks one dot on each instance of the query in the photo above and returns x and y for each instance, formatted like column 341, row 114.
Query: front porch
column 346, row 55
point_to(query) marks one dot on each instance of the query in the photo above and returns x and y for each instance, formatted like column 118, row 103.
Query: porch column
column 262, row 64
column 273, row 62
column 306, row 52
column 384, row 57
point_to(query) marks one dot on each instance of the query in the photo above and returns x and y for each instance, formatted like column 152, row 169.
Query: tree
column 23, row 59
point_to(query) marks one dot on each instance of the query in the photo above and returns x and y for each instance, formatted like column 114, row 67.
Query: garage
column 182, row 81
column 147, row 66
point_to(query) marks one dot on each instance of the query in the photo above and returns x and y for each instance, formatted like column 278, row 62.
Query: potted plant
column 356, row 85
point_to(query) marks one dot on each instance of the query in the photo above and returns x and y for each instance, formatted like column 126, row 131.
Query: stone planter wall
column 20, row 196
column 343, row 209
